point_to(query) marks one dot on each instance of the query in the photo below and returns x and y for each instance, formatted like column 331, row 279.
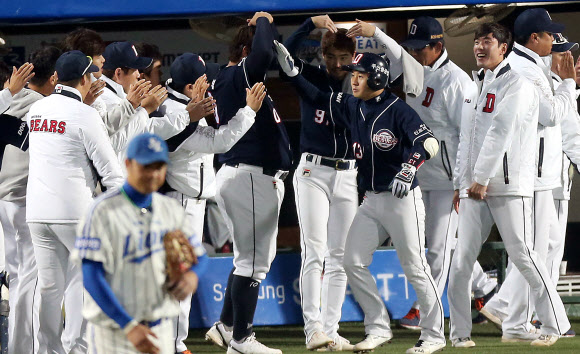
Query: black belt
column 272, row 172
column 338, row 165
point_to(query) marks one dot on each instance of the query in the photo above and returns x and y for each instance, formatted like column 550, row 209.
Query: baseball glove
column 180, row 255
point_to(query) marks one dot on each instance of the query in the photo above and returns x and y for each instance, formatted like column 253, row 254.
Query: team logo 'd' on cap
column 384, row 140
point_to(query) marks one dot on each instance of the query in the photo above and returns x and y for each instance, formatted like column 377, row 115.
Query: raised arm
column 257, row 63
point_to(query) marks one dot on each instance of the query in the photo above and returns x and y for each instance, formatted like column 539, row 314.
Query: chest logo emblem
column 384, row 140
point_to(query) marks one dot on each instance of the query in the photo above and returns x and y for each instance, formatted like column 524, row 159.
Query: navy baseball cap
column 188, row 67
column 535, row 21
column 73, row 65
column 148, row 148
column 124, row 55
column 424, row 30
column 561, row 44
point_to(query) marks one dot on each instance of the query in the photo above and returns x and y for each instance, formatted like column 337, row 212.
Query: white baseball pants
column 513, row 217
column 21, row 265
column 250, row 202
column 381, row 216
column 440, row 230
column 114, row 341
column 326, row 203
column 556, row 248
column 216, row 225
column 52, row 246
column 195, row 210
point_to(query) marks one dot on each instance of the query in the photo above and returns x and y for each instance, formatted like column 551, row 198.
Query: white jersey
column 117, row 115
column 190, row 168
column 448, row 94
column 140, row 122
column 69, row 150
column 5, row 100
column 570, row 126
column 128, row 241
column 494, row 142
column 553, row 105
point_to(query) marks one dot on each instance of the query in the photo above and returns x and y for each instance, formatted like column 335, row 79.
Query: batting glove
column 285, row 59
column 401, row 184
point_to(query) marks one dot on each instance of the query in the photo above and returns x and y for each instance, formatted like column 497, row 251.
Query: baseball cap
column 535, row 21
column 148, row 148
column 73, row 65
column 561, row 44
column 124, row 55
column 424, row 30
column 188, row 67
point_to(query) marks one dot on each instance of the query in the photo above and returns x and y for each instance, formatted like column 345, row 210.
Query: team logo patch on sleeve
column 384, row 140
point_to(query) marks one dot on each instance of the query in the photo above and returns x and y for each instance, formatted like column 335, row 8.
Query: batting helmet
column 375, row 65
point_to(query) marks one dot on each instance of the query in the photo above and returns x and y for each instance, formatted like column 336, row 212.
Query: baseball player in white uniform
column 496, row 177
column 448, row 93
column 20, row 260
column 533, row 37
column 69, row 151
column 553, row 228
column 190, row 174
column 120, row 244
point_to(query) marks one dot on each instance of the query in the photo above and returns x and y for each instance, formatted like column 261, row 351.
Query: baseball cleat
column 339, row 344
column 496, row 319
column 544, row 341
column 571, row 333
column 370, row 342
column 463, row 343
column 530, row 336
column 318, row 340
column 411, row 320
column 426, row 347
column 250, row 346
column 219, row 335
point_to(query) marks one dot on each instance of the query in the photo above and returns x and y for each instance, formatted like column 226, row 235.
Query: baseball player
column 20, row 260
column 533, row 38
column 16, row 83
column 69, row 150
column 325, row 189
column 190, row 174
column 448, row 93
column 496, row 176
column 120, row 244
column 250, row 184
column 114, row 116
column 387, row 135
column 498, row 308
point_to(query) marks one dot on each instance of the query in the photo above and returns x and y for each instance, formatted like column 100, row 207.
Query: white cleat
column 463, row 343
column 426, row 347
column 370, row 342
column 339, row 344
column 495, row 318
column 250, row 346
column 318, row 340
column 530, row 336
column 219, row 335
column 545, row 340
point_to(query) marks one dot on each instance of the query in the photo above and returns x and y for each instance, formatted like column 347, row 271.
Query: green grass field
column 290, row 339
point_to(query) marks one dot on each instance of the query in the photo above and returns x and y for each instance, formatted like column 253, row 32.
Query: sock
column 227, row 315
column 245, row 298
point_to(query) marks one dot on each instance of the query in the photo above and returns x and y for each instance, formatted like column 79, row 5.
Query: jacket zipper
column 445, row 155
column 506, row 174
column 541, row 158
column 201, row 181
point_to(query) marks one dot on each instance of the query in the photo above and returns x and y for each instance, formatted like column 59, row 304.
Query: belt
column 338, row 165
column 280, row 174
column 151, row 324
